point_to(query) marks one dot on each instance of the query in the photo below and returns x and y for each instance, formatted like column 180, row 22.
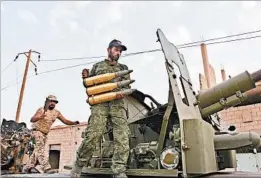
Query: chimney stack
column 223, row 74
column 205, row 63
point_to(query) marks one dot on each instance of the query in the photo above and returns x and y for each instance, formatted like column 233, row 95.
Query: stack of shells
column 99, row 90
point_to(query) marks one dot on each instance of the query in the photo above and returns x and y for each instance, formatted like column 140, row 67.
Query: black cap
column 117, row 43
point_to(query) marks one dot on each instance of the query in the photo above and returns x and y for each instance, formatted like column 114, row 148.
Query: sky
column 78, row 29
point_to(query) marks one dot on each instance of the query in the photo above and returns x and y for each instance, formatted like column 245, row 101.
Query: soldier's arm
column 38, row 115
column 66, row 121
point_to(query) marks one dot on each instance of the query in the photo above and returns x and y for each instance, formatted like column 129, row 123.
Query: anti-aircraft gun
column 182, row 138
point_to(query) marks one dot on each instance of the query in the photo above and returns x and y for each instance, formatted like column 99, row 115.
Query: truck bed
column 36, row 175
column 214, row 175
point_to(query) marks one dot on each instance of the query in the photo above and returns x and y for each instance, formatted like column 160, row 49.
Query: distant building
column 62, row 143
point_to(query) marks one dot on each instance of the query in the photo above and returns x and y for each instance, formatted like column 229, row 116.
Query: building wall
column 69, row 139
column 245, row 118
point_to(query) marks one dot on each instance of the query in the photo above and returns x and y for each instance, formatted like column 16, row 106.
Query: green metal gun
column 182, row 138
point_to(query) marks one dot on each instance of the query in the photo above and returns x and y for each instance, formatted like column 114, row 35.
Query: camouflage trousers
column 96, row 128
column 39, row 154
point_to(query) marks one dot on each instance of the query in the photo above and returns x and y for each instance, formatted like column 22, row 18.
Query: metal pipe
column 238, row 140
column 256, row 76
column 242, row 82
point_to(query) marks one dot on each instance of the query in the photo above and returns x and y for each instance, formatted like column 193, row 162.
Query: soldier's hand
column 77, row 122
column 85, row 73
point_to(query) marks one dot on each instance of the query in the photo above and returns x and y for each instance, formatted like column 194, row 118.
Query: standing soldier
column 42, row 122
column 100, row 113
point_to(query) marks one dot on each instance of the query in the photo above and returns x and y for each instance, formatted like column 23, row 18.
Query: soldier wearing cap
column 112, row 111
column 42, row 122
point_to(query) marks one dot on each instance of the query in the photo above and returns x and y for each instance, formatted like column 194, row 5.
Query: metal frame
column 185, row 111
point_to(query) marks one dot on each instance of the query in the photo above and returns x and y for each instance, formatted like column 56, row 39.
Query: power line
column 7, row 66
column 75, row 58
column 14, row 82
column 68, row 67
column 219, row 38
column 132, row 54
column 224, row 41
column 180, row 46
column 240, row 39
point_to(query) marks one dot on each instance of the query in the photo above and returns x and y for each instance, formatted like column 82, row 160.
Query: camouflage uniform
column 100, row 113
column 41, row 129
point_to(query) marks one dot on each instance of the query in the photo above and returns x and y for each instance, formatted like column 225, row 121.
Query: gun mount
column 227, row 94
column 182, row 138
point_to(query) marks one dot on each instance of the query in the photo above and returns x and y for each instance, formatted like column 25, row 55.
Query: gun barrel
column 242, row 82
column 237, row 140
column 253, row 97
column 227, row 94
column 256, row 76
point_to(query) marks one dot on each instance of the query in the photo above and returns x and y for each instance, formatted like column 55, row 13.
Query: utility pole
column 28, row 56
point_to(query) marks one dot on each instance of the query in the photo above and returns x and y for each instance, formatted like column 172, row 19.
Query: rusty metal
column 256, row 76
column 205, row 63
column 253, row 96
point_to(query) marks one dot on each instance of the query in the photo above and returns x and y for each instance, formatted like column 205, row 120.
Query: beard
column 114, row 58
column 51, row 107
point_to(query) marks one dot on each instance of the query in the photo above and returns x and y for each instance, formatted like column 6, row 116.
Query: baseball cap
column 117, row 43
column 53, row 98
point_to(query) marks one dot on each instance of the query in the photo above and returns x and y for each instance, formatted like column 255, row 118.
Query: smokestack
column 223, row 74
column 205, row 63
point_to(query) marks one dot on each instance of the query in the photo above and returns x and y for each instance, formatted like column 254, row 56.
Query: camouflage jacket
column 104, row 67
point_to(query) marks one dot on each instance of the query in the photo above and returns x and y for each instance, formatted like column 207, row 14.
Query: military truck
column 182, row 138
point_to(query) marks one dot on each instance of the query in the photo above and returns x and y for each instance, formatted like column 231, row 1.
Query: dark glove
column 77, row 122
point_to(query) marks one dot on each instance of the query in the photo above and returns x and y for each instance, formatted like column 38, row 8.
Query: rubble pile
column 16, row 146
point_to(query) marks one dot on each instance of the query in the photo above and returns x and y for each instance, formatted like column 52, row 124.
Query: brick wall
column 212, row 76
column 245, row 118
column 69, row 139
column 202, row 82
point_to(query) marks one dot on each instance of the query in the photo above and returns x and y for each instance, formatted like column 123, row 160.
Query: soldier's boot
column 76, row 170
column 39, row 168
column 26, row 170
column 120, row 175
column 50, row 171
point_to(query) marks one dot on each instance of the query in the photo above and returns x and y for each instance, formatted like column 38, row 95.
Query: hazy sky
column 77, row 29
